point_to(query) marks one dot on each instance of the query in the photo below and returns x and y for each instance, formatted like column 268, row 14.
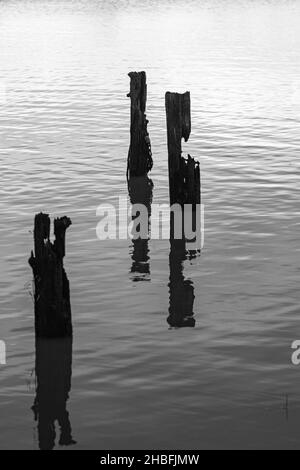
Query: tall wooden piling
column 184, row 174
column 52, row 291
column 185, row 189
column 139, row 156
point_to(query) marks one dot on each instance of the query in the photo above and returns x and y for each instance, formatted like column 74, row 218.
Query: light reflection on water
column 64, row 120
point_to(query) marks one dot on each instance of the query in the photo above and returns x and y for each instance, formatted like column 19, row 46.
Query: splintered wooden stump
column 139, row 156
column 184, row 174
column 52, row 306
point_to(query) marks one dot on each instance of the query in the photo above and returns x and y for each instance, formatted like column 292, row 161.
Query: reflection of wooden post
column 52, row 292
column 181, row 290
column 139, row 157
column 184, row 175
column 53, row 368
column 140, row 192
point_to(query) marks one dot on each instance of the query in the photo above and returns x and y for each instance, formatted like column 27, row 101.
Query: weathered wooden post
column 184, row 186
column 184, row 174
column 139, row 156
column 52, row 291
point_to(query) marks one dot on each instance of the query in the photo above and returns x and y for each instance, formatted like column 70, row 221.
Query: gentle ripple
column 64, row 123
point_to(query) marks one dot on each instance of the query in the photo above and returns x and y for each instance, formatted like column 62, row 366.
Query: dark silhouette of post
column 140, row 191
column 184, row 174
column 181, row 290
column 52, row 291
column 53, row 369
column 139, row 156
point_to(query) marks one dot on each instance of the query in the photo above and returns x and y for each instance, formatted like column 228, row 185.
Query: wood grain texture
column 139, row 156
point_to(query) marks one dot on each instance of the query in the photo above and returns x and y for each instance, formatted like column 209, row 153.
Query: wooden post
column 184, row 184
column 184, row 174
column 139, row 156
column 52, row 292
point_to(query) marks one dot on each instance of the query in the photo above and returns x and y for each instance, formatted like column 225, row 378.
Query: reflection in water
column 181, row 290
column 140, row 192
column 53, row 376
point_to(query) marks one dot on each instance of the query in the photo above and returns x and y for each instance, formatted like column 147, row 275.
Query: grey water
column 137, row 381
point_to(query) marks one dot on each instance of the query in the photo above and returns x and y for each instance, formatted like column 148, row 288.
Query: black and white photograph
column 149, row 228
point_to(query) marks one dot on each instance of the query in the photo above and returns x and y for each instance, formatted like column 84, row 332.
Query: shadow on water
column 53, row 384
column 140, row 191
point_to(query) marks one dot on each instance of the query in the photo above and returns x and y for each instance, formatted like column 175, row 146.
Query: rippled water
column 64, row 121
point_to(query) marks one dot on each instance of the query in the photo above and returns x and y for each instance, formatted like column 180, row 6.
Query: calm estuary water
column 64, row 124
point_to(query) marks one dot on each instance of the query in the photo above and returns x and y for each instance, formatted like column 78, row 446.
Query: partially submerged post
column 139, row 156
column 184, row 174
column 184, row 184
column 52, row 291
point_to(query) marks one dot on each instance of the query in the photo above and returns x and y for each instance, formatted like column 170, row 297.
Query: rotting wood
column 184, row 174
column 139, row 156
column 52, row 290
